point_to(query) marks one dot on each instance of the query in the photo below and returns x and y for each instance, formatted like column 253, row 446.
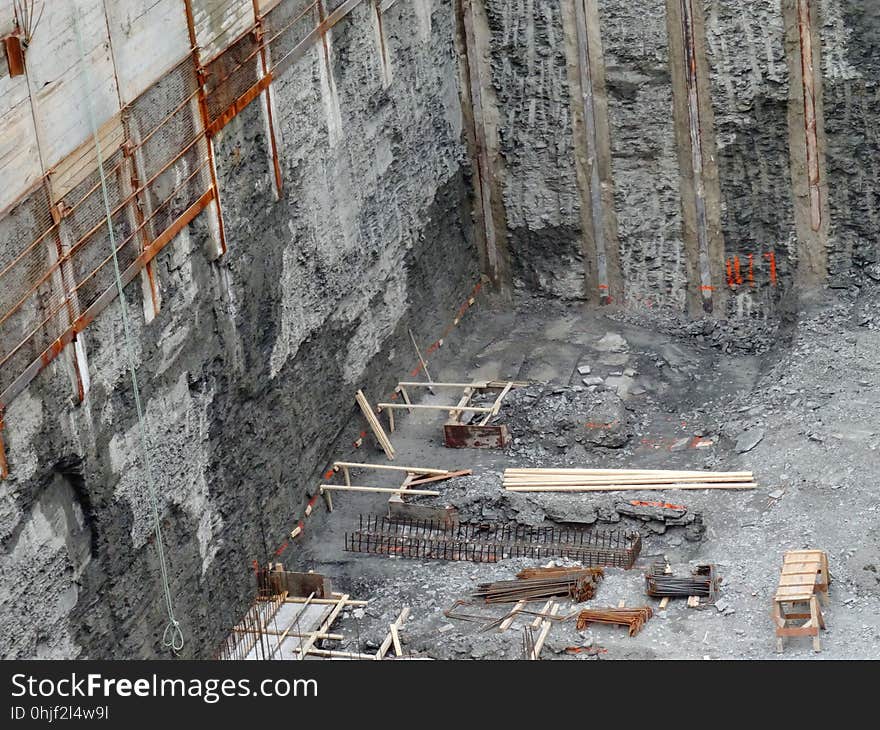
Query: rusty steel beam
column 696, row 140
column 808, row 82
column 238, row 105
column 463, row 436
column 138, row 202
column 67, row 283
column 206, row 121
column 4, row 465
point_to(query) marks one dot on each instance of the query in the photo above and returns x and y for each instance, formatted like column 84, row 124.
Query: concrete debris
column 611, row 342
column 748, row 440
column 585, row 369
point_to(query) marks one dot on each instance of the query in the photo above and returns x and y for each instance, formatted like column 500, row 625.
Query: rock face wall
column 540, row 187
column 850, row 36
column 249, row 371
column 752, row 91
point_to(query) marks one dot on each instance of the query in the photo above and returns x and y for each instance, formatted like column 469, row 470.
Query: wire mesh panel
column 55, row 277
column 231, row 76
column 169, row 149
column 286, row 27
column 27, row 249
column 91, row 253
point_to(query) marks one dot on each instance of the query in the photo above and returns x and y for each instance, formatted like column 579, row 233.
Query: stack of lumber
column 609, row 480
column 634, row 618
column 577, row 584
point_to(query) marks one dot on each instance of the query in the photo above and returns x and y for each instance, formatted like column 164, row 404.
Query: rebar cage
column 486, row 542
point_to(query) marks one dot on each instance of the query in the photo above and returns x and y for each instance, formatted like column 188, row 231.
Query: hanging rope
column 172, row 636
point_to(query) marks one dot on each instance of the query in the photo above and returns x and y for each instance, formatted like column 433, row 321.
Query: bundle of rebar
column 487, row 542
column 579, row 585
column 558, row 570
column 660, row 584
column 634, row 618
column 609, row 480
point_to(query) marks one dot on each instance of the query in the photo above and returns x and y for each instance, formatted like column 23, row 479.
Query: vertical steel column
column 206, row 122
column 149, row 288
column 808, row 81
column 484, row 173
column 596, row 215
column 136, row 208
column 63, row 281
column 696, row 139
column 4, row 465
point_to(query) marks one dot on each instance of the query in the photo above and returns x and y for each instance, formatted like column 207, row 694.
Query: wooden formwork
column 459, row 433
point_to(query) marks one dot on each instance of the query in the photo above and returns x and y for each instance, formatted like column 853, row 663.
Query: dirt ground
column 810, row 401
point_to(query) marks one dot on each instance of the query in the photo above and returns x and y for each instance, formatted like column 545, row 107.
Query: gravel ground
column 801, row 414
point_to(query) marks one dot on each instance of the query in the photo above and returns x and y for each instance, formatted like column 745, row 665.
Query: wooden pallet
column 803, row 581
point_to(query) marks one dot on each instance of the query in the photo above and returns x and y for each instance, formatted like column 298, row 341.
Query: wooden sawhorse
column 804, row 580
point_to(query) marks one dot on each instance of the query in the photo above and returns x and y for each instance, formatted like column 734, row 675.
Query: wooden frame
column 413, row 473
column 804, row 580
column 458, row 434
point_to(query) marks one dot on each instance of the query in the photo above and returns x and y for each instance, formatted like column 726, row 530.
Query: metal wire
column 172, row 636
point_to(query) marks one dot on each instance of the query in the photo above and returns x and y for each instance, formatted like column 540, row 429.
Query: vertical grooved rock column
column 592, row 143
column 695, row 136
column 646, row 178
column 807, row 137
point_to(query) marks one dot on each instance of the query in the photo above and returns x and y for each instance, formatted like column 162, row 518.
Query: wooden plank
column 545, row 629
column 624, row 488
column 476, row 385
column 512, row 617
column 303, row 649
column 395, row 638
column 373, row 421
column 537, row 622
column 625, row 472
column 455, row 413
column 325, row 601
column 390, row 467
column 421, row 359
column 428, row 407
column 442, row 477
column 386, row 644
column 402, row 391
column 383, row 490
column 496, row 406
